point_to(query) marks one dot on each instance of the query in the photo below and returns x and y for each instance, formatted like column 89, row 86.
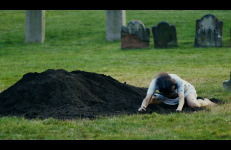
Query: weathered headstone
column 227, row 84
column 209, row 31
column 114, row 20
column 35, row 26
column 135, row 35
column 164, row 35
column 230, row 37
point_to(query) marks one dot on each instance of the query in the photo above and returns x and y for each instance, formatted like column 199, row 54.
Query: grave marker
column 114, row 20
column 135, row 35
column 227, row 84
column 230, row 37
column 209, row 31
column 35, row 26
column 164, row 35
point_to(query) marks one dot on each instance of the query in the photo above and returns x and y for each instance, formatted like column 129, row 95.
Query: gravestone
column 227, row 84
column 135, row 35
column 209, row 31
column 164, row 35
column 114, row 20
column 35, row 26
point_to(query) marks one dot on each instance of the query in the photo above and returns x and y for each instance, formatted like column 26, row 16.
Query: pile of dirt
column 77, row 94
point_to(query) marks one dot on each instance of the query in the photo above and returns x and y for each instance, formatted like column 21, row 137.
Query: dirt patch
column 77, row 94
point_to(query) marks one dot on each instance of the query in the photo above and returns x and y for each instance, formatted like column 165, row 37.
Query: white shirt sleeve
column 152, row 87
column 180, row 83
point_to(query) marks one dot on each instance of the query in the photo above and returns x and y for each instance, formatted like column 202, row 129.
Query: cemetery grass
column 73, row 42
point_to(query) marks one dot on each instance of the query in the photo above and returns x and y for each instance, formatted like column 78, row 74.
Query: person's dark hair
column 165, row 84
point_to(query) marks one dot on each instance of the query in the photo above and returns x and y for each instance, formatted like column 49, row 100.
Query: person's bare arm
column 181, row 102
column 145, row 102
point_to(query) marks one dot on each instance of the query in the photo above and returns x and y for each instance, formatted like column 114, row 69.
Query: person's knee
column 155, row 100
column 154, row 97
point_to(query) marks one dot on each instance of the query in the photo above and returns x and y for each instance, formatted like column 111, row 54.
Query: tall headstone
column 209, row 31
column 230, row 37
column 135, row 35
column 114, row 20
column 227, row 84
column 35, row 26
column 164, row 35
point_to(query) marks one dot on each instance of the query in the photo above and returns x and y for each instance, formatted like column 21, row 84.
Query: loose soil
column 77, row 94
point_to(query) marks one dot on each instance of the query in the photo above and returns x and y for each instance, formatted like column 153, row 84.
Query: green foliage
column 76, row 40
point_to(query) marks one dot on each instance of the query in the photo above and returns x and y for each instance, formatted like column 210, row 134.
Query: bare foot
column 212, row 104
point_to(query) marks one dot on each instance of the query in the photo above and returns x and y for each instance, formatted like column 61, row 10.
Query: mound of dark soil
column 77, row 94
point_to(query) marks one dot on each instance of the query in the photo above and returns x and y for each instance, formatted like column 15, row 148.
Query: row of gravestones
column 209, row 32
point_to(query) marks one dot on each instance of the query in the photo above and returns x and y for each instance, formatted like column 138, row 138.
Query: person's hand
column 178, row 110
column 142, row 109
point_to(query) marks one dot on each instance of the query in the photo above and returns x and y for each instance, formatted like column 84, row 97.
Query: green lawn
column 76, row 40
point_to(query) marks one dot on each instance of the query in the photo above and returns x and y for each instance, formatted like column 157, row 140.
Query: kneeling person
column 172, row 91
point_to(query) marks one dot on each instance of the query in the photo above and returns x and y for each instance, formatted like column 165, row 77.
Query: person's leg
column 155, row 100
column 211, row 103
column 193, row 102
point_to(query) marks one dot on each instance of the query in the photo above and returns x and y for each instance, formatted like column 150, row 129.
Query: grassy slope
column 75, row 40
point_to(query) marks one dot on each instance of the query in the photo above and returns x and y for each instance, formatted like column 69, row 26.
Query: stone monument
column 164, row 35
column 135, row 35
column 35, row 26
column 230, row 37
column 114, row 20
column 227, row 84
column 209, row 31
